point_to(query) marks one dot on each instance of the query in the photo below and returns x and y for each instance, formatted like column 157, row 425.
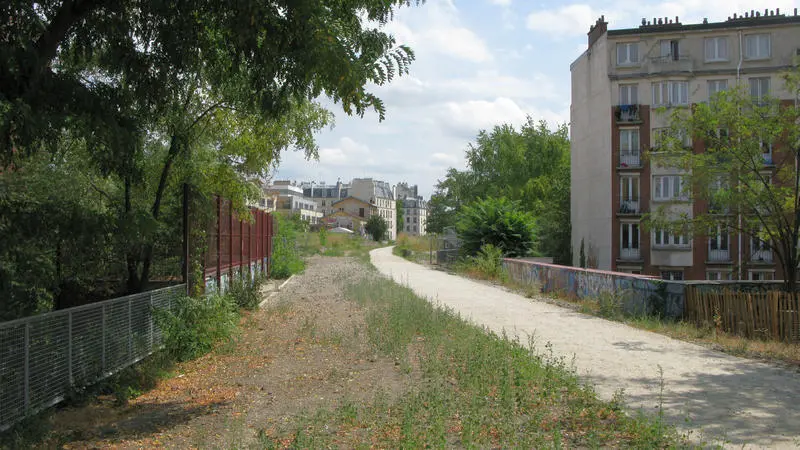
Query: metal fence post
column 130, row 329
column 150, row 325
column 103, row 343
column 27, row 385
column 69, row 347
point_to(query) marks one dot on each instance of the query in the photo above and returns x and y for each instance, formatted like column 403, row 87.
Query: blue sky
column 479, row 63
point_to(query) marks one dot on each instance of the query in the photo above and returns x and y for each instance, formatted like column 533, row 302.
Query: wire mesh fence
column 44, row 357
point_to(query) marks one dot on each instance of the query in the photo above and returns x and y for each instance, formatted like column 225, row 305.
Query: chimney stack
column 598, row 29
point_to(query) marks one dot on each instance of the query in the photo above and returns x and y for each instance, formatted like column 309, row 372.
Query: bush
column 499, row 222
column 286, row 259
column 194, row 325
column 376, row 227
column 247, row 295
column 323, row 236
column 489, row 261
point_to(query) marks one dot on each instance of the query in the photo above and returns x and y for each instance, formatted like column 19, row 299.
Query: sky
column 479, row 63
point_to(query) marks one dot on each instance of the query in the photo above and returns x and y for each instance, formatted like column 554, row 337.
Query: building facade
column 291, row 201
column 619, row 85
column 325, row 195
column 381, row 196
column 415, row 210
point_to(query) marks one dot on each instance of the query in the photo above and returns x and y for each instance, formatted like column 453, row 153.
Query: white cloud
column 458, row 42
column 501, row 2
column 347, row 152
column 443, row 159
column 565, row 21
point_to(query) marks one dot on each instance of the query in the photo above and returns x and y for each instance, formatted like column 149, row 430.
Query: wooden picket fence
column 767, row 315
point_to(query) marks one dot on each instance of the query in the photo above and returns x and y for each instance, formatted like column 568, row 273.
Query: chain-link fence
column 44, row 357
column 448, row 246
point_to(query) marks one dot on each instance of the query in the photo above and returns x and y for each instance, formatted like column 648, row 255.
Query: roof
column 351, row 198
column 770, row 18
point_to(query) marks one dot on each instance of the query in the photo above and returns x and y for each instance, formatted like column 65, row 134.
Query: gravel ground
column 713, row 396
column 305, row 349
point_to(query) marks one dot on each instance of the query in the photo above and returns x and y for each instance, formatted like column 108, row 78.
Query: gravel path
column 717, row 397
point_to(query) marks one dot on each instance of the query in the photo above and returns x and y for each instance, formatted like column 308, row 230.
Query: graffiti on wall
column 639, row 293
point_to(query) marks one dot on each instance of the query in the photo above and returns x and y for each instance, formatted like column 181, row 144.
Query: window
column 718, row 275
column 716, row 49
column 667, row 187
column 667, row 93
column 415, row 228
column 629, row 195
column 766, row 152
column 663, row 238
column 627, row 53
column 716, row 86
column 323, row 203
column 759, row 88
column 408, row 228
column 629, row 140
column 630, row 236
column 628, row 94
column 672, row 275
column 659, row 134
column 757, row 46
column 669, row 49
column 360, row 212
column 760, row 275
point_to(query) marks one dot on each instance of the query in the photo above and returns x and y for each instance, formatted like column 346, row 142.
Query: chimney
column 598, row 29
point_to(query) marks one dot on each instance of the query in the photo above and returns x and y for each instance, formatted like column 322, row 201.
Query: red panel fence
column 236, row 246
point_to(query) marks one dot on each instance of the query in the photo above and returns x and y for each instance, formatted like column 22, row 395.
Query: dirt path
column 306, row 350
column 713, row 395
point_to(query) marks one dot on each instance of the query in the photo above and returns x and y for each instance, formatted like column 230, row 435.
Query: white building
column 381, row 196
column 415, row 210
column 291, row 201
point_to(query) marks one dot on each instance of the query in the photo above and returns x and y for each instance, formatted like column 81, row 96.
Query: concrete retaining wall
column 641, row 294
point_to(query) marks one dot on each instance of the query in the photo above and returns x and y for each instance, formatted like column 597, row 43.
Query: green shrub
column 489, row 261
column 286, row 259
column 194, row 325
column 376, row 227
column 499, row 222
column 323, row 236
column 247, row 294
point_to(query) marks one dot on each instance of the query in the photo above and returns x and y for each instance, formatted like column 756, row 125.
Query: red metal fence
column 234, row 244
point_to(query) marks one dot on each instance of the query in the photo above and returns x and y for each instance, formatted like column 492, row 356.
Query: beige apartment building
column 378, row 194
column 415, row 210
column 617, row 85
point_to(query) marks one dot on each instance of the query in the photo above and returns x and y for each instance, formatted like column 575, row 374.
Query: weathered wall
column 640, row 293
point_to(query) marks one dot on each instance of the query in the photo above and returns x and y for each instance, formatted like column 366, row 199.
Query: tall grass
column 476, row 390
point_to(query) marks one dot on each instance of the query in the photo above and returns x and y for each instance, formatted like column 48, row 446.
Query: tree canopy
column 115, row 105
column 529, row 165
column 747, row 177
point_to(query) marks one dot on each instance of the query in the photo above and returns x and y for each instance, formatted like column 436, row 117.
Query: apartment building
column 291, row 201
column 415, row 210
column 381, row 196
column 618, row 84
column 325, row 195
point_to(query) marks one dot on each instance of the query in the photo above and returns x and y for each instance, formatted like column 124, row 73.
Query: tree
column 399, row 215
column 529, row 165
column 162, row 94
column 376, row 227
column 499, row 222
column 734, row 177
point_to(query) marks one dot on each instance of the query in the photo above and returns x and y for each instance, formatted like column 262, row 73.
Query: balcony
column 767, row 159
column 630, row 254
column 627, row 114
column 761, row 256
column 630, row 159
column 669, row 64
column 629, row 207
column 719, row 256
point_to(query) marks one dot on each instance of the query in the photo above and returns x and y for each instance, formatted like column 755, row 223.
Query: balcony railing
column 767, row 158
column 762, row 256
column 631, row 254
column 627, row 114
column 630, row 159
column 669, row 63
column 719, row 255
column 629, row 206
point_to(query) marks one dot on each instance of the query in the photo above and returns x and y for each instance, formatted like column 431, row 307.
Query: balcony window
column 670, row 49
column 716, row 48
column 628, row 94
column 719, row 275
column 667, row 187
column 670, row 93
column 628, row 54
column 629, row 241
column 666, row 239
column 766, row 152
column 757, row 46
column 629, row 140
column 759, row 89
column 760, row 250
column 629, row 195
column 719, row 244
column 760, row 275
